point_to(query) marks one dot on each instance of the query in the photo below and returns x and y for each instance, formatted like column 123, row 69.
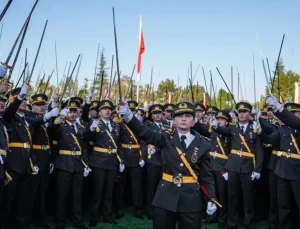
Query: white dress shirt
column 189, row 138
column 159, row 124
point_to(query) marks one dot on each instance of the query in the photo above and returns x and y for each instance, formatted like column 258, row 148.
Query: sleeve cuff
column 127, row 118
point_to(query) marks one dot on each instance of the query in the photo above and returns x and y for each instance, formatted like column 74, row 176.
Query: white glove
column 142, row 163
column 225, row 175
column 53, row 104
column 121, row 168
column 94, row 125
column 214, row 123
column 211, row 208
column 1, row 160
column 64, row 112
column 24, row 92
column 3, row 71
column 151, row 151
column 255, row 175
column 146, row 108
column 36, row 170
column 125, row 111
column 86, row 172
column 272, row 101
column 259, row 129
column 51, row 168
column 53, row 113
column 89, row 98
column 140, row 118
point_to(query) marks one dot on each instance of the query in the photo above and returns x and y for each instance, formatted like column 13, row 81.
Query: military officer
column 200, row 108
column 70, row 164
column 41, row 151
column 134, row 162
column 244, row 164
column 153, row 159
column 168, row 109
column 185, row 161
column 288, row 166
column 104, row 161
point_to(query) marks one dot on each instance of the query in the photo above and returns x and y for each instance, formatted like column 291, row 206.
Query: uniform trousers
column 103, row 181
column 237, row 183
column 221, row 192
column 288, row 196
column 273, row 200
column 133, row 175
column 153, row 177
column 164, row 219
column 67, row 182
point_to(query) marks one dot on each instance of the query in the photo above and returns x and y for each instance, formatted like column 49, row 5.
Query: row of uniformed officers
column 181, row 166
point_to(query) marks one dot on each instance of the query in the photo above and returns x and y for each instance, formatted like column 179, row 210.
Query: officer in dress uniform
column 219, row 151
column 211, row 111
column 185, row 161
column 21, row 162
column 168, row 109
column 104, row 161
column 244, row 164
column 70, row 164
column 41, row 151
column 153, row 159
column 200, row 108
column 133, row 160
column 288, row 166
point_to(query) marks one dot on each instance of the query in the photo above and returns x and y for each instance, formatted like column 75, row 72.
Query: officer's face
column 156, row 116
column 23, row 106
column 205, row 118
column 199, row 114
column 2, row 107
column 184, row 122
column 79, row 112
column 270, row 114
column 93, row 114
column 72, row 115
column 243, row 116
column 222, row 122
column 105, row 113
column 168, row 114
column 39, row 108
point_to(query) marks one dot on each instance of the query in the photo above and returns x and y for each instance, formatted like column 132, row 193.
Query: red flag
column 204, row 100
column 141, row 47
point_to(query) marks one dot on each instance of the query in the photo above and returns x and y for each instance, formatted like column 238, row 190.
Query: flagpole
column 139, row 64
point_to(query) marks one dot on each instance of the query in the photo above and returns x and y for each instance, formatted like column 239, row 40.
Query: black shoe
column 81, row 226
column 93, row 223
column 119, row 215
column 111, row 221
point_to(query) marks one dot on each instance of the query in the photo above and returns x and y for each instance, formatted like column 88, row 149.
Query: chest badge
column 194, row 158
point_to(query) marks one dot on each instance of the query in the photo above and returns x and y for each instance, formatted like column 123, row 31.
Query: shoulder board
column 117, row 120
column 83, row 127
column 207, row 139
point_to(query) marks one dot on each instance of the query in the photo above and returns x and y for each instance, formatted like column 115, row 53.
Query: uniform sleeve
column 206, row 178
column 85, row 112
column 11, row 110
column 146, row 134
column 224, row 130
column 266, row 126
column 259, row 156
column 202, row 129
column 288, row 118
column 272, row 138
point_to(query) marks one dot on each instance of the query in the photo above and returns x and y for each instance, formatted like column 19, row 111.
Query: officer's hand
column 255, row 175
column 272, row 101
column 214, row 123
column 140, row 118
column 53, row 113
column 36, row 170
column 94, row 125
column 225, row 176
column 4, row 86
column 142, row 163
column 86, row 172
column 125, row 112
column 1, row 160
column 24, row 92
column 121, row 168
column 211, row 208
column 90, row 97
column 51, row 168
column 3, row 71
column 64, row 112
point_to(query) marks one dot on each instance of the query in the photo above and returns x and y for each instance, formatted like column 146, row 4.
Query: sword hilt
column 6, row 65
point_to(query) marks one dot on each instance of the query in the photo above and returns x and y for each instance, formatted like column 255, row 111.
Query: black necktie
column 169, row 123
column 160, row 126
column 73, row 128
column 242, row 129
column 182, row 138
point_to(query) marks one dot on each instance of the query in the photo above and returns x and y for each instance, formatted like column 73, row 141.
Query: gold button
column 179, row 174
column 181, row 164
column 178, row 185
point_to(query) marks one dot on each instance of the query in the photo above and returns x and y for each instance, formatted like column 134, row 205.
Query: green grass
column 130, row 222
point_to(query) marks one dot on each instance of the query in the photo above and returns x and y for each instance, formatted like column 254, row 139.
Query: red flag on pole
column 141, row 47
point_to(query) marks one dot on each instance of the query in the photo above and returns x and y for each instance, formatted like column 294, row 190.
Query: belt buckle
column 109, row 151
column 26, row 145
column 240, row 153
column 43, row 147
column 288, row 155
column 279, row 154
column 177, row 180
column 129, row 146
column 73, row 152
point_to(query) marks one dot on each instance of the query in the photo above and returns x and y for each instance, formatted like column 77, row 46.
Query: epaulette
column 117, row 120
column 82, row 126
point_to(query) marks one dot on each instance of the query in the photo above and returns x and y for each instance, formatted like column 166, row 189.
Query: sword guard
column 6, row 65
